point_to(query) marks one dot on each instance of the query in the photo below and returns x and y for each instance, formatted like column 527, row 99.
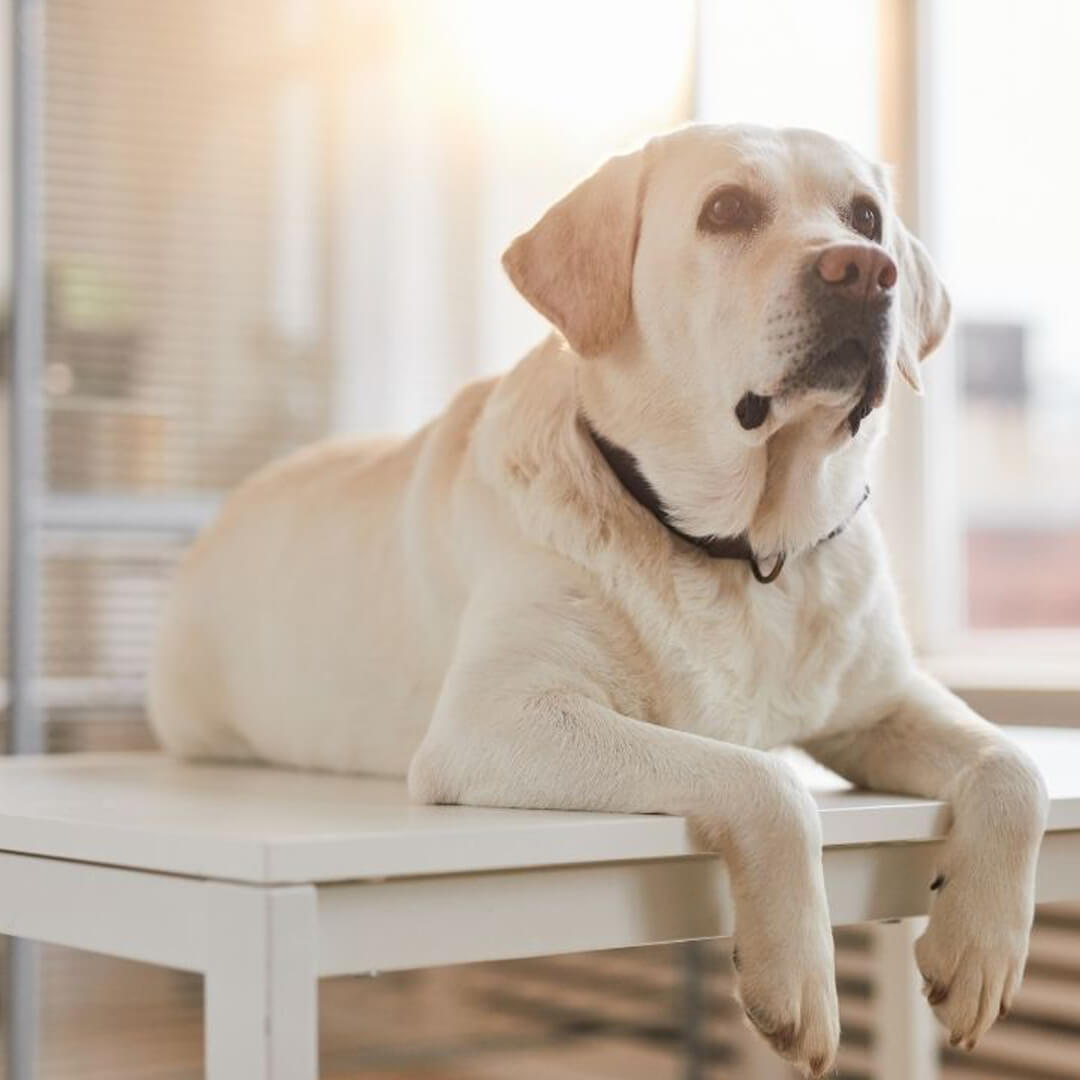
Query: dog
column 614, row 577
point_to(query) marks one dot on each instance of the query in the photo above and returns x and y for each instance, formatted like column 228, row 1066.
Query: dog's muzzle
column 852, row 289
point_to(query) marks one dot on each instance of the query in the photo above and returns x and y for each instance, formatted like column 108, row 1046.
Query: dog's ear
column 924, row 308
column 576, row 264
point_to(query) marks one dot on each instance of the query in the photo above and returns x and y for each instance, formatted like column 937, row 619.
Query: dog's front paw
column 973, row 952
column 787, row 989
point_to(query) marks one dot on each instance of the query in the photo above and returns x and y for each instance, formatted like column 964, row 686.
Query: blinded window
column 187, row 315
column 181, row 350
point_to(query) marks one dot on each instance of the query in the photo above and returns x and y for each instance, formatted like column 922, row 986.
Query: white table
column 264, row 880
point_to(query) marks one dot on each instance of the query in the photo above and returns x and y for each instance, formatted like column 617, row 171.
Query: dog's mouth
column 839, row 368
column 852, row 364
column 873, row 390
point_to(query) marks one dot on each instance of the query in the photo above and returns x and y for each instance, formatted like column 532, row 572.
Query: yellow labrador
column 615, row 576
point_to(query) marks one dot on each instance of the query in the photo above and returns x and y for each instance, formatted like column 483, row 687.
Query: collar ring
column 772, row 575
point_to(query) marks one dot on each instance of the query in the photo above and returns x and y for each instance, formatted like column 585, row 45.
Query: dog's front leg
column 973, row 952
column 500, row 738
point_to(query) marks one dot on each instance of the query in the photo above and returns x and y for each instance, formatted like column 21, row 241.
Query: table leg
column 22, row 1000
column 693, row 1009
column 261, row 988
column 907, row 1043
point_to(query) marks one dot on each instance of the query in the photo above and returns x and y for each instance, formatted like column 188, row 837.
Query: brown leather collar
column 625, row 467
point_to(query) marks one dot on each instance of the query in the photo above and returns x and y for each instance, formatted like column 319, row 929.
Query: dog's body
column 502, row 505
column 486, row 606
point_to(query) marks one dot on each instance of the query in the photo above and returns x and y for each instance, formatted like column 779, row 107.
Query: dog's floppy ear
column 925, row 308
column 575, row 265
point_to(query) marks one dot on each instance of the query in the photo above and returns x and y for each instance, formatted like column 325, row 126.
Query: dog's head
column 739, row 297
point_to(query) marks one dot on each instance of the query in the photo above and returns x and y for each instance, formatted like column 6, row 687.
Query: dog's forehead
column 806, row 165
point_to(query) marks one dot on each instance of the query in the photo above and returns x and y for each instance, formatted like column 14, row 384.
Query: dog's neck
column 628, row 472
column 782, row 491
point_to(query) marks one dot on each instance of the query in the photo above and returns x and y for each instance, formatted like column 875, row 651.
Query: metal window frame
column 27, row 473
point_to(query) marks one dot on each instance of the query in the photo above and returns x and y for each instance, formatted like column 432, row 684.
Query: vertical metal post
column 693, row 1010
column 26, row 406
column 693, row 960
column 27, row 472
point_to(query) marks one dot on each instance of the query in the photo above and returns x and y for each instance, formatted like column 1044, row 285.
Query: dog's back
column 291, row 632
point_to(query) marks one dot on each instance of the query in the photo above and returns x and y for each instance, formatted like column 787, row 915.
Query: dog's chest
column 754, row 664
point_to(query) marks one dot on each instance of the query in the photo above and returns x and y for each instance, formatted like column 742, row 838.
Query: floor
column 606, row 1016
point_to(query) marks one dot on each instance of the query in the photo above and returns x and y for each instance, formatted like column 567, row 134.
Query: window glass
column 1002, row 217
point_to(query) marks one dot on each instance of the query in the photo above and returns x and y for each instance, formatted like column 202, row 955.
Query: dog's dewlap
column 752, row 410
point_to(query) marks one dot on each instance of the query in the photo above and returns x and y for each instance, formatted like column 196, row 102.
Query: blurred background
column 241, row 226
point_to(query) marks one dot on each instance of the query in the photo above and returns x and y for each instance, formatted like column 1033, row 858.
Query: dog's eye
column 731, row 209
column 866, row 219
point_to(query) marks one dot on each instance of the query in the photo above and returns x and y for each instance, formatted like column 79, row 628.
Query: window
column 1001, row 217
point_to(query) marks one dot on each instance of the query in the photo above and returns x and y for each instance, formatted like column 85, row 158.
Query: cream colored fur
column 483, row 607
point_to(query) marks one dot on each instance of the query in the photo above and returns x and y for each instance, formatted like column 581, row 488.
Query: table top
column 254, row 824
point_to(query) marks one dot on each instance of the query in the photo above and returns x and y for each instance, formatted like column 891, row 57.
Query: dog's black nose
column 856, row 271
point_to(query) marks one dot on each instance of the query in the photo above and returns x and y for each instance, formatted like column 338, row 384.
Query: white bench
column 266, row 880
